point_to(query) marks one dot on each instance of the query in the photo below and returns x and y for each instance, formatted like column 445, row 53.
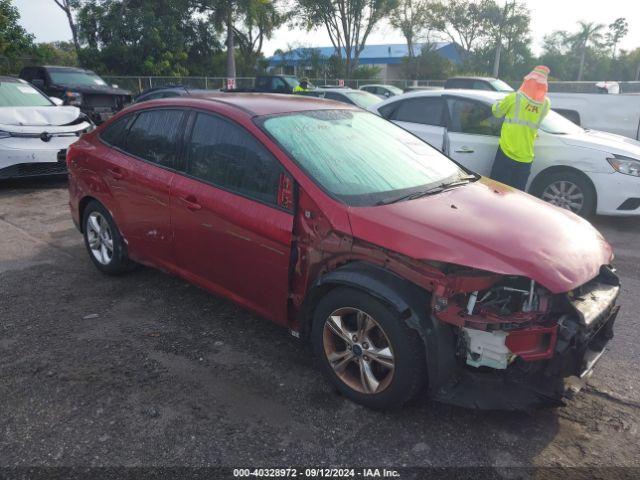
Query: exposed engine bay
column 529, row 334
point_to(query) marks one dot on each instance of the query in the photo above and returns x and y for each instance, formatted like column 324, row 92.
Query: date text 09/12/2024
column 316, row 472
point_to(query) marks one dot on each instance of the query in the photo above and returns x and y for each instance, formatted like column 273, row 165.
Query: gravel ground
column 146, row 370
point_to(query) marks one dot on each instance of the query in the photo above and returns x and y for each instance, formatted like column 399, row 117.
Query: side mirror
column 387, row 94
column 57, row 101
column 38, row 83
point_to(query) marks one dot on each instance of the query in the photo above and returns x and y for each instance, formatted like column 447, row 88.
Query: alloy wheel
column 358, row 350
column 564, row 194
column 100, row 238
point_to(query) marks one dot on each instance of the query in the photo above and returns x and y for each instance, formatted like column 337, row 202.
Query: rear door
column 232, row 231
column 422, row 116
column 472, row 133
column 141, row 175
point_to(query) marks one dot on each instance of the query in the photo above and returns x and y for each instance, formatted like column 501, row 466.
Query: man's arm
column 501, row 108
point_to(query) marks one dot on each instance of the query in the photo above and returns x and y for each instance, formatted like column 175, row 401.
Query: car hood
column 489, row 226
column 38, row 119
column 603, row 141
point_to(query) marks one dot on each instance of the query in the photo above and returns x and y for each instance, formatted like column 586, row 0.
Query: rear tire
column 568, row 190
column 103, row 240
column 366, row 350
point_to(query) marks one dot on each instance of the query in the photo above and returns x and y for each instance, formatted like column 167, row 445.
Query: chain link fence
column 137, row 84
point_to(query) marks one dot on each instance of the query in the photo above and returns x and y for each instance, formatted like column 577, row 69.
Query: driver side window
column 472, row 117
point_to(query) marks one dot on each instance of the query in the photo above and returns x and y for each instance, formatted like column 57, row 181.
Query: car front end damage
column 517, row 344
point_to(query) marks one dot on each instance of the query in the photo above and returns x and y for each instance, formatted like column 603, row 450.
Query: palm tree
column 589, row 33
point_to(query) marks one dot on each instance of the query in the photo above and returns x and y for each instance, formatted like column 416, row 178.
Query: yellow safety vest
column 298, row 88
column 522, row 119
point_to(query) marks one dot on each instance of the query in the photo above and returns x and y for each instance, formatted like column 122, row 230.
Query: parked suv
column 79, row 88
column 404, row 269
column 478, row 83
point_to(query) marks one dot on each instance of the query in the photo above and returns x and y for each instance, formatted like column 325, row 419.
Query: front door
column 231, row 234
column 472, row 134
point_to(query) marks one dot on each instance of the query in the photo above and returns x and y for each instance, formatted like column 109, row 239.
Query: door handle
column 115, row 173
column 465, row 150
column 191, row 203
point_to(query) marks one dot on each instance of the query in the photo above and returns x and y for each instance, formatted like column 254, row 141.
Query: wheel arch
column 82, row 205
column 411, row 301
column 539, row 178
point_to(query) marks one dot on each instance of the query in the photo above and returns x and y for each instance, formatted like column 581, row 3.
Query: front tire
column 103, row 240
column 366, row 350
column 568, row 190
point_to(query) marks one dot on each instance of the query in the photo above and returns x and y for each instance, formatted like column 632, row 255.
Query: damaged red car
column 406, row 271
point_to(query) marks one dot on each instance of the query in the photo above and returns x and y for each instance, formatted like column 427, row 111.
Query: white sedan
column 585, row 171
column 35, row 130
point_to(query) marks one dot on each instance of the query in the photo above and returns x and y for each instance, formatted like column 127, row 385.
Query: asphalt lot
column 147, row 370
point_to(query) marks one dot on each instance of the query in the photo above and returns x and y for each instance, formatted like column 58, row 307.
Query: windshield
column 500, row 86
column 291, row 82
column 558, row 125
column 76, row 78
column 359, row 157
column 394, row 90
column 18, row 94
column 363, row 99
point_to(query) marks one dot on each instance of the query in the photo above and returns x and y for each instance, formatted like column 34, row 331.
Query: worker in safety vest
column 303, row 86
column 523, row 112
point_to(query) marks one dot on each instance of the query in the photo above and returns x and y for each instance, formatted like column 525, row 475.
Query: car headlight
column 625, row 165
column 73, row 98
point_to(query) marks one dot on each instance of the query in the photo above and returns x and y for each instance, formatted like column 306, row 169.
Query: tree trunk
column 231, row 61
column 582, row 59
column 66, row 8
column 74, row 30
column 638, row 73
column 496, row 60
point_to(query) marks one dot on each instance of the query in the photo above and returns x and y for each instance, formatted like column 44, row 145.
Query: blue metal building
column 388, row 57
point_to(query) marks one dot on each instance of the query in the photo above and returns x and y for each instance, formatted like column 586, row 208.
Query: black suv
column 79, row 88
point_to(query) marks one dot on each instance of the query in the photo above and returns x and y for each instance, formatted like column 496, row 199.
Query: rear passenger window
column 425, row 110
column 479, row 85
column 227, row 156
column 114, row 134
column 154, row 136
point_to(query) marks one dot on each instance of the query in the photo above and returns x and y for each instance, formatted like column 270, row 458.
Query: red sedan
column 405, row 270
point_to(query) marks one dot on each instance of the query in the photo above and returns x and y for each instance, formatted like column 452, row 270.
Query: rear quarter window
column 114, row 134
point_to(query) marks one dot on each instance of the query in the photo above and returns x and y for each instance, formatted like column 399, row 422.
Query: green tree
column 508, row 29
column 589, row 33
column 412, row 18
column 70, row 7
column 16, row 45
column 145, row 37
column 223, row 14
column 348, row 24
column 57, row 53
column 617, row 31
column 261, row 18
column 462, row 21
column 429, row 64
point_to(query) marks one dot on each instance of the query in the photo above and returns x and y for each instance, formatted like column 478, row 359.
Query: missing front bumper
column 525, row 385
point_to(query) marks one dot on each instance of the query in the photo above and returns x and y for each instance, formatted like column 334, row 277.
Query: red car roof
column 255, row 104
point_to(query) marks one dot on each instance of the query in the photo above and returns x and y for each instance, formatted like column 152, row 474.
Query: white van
column 618, row 114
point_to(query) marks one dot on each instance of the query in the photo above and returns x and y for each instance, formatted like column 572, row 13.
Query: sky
column 48, row 23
